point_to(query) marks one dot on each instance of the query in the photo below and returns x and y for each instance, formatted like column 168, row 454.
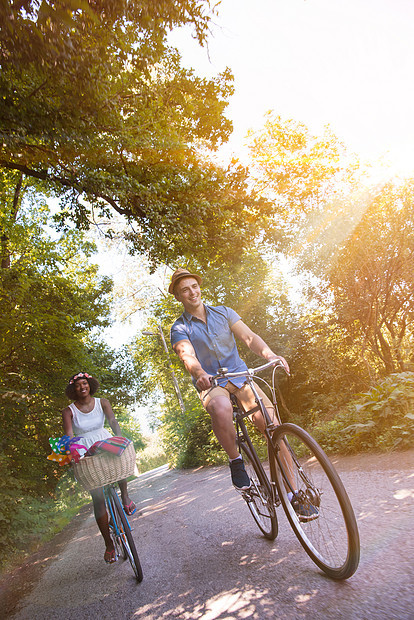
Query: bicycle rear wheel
column 126, row 539
column 331, row 537
column 259, row 497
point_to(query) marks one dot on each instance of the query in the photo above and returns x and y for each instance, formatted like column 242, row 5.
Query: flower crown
column 79, row 376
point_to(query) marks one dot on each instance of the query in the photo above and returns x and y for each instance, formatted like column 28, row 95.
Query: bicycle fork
column 311, row 493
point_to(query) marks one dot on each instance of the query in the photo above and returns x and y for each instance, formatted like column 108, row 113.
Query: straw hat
column 178, row 275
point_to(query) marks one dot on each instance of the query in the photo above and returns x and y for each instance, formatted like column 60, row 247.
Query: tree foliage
column 52, row 305
column 380, row 419
column 372, row 279
column 97, row 106
column 350, row 249
column 356, row 242
column 326, row 366
column 299, row 173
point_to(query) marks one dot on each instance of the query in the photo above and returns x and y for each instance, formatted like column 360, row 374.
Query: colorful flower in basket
column 65, row 449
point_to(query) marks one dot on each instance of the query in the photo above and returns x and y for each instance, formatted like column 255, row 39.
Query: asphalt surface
column 203, row 556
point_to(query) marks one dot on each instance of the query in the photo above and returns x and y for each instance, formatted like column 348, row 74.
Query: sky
column 346, row 63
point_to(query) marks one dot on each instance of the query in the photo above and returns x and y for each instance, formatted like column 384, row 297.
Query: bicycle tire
column 119, row 550
column 115, row 526
column 331, row 539
column 127, row 540
column 259, row 498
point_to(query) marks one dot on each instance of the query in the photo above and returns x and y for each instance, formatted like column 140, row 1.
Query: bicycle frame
column 110, row 508
column 243, row 436
column 270, row 426
column 269, row 429
column 121, row 530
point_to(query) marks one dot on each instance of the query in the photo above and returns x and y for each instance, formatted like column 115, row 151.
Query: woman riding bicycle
column 85, row 418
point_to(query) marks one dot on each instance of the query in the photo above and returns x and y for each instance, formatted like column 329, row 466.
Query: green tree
column 52, row 305
column 300, row 174
column 371, row 279
column 326, row 367
column 97, row 106
column 316, row 200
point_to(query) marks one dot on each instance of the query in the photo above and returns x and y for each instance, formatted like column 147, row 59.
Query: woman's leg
column 101, row 517
column 127, row 503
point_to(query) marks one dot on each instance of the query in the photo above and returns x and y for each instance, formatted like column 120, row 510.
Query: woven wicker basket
column 104, row 468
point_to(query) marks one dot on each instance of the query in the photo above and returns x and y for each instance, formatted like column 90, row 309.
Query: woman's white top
column 89, row 426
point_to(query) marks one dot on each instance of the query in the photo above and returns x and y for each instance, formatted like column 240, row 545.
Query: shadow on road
column 203, row 556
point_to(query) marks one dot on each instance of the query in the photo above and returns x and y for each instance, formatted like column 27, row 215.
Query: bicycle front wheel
column 125, row 534
column 259, row 497
column 324, row 522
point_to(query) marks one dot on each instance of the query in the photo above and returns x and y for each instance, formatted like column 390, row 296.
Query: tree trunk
column 5, row 253
column 386, row 353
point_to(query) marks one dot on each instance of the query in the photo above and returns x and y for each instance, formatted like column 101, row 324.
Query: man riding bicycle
column 203, row 338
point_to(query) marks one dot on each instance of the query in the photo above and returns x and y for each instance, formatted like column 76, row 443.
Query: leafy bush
column 381, row 419
column 152, row 456
column 27, row 520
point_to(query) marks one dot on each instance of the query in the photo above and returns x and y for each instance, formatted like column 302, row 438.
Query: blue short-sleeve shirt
column 213, row 341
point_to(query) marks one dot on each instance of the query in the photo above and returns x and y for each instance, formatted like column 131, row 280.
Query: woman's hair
column 70, row 388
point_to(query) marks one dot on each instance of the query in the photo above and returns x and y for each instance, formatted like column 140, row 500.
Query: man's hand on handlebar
column 284, row 362
column 204, row 382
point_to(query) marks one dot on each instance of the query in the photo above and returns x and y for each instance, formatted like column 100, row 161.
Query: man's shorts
column 243, row 394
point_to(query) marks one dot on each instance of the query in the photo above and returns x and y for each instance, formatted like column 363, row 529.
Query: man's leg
column 246, row 398
column 221, row 413
column 218, row 404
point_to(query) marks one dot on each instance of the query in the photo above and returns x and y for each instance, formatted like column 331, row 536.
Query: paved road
column 204, row 558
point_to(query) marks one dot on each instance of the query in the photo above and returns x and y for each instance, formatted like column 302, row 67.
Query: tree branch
column 43, row 175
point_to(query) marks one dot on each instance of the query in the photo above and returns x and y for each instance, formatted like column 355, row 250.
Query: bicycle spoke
column 324, row 521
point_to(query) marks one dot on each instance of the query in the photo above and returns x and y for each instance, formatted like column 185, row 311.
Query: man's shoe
column 305, row 511
column 239, row 477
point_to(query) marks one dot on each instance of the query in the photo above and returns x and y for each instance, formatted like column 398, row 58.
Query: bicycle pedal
column 243, row 492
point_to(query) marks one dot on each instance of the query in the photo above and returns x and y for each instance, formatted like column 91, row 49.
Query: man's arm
column 186, row 353
column 255, row 343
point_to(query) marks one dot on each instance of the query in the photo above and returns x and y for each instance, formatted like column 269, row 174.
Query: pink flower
column 80, row 375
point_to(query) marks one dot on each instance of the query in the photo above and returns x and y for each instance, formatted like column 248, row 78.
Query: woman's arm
column 110, row 416
column 67, row 421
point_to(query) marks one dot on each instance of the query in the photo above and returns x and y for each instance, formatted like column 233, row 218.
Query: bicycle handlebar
column 250, row 372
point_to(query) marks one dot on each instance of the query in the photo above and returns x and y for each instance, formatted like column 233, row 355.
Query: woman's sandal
column 130, row 509
column 110, row 556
